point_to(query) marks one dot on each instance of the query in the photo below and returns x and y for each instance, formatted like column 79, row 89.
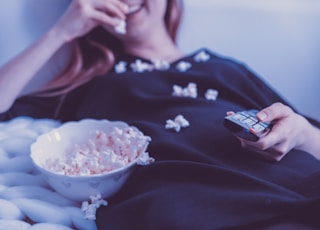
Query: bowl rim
column 82, row 177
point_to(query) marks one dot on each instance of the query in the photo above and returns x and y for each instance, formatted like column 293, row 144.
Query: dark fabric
column 30, row 106
column 202, row 178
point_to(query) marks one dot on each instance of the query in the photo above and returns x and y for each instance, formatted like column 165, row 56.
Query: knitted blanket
column 26, row 200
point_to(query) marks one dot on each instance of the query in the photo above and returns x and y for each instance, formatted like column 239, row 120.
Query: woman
column 203, row 177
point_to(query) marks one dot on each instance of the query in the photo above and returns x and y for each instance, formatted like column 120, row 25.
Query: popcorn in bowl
column 90, row 157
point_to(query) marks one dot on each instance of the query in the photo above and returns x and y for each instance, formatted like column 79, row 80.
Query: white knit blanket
column 26, row 200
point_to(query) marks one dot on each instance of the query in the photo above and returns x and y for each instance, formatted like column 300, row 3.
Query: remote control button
column 250, row 122
column 258, row 127
column 239, row 116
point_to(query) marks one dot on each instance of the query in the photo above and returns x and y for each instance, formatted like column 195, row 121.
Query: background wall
column 278, row 39
column 21, row 23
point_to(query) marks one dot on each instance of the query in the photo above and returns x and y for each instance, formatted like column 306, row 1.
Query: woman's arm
column 79, row 19
column 20, row 70
column 290, row 131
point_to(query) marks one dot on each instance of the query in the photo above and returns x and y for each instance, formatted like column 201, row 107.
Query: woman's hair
column 96, row 53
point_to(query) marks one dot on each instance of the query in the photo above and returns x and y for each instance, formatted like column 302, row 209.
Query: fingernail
column 229, row 113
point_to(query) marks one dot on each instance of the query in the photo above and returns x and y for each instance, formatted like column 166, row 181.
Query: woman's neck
column 154, row 48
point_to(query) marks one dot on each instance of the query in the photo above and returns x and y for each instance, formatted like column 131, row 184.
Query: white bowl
column 78, row 187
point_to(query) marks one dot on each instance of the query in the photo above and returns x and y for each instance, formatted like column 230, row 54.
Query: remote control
column 245, row 125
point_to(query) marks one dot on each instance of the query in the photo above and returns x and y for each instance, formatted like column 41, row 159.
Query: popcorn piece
column 140, row 67
column 182, row 121
column 161, row 64
column 145, row 159
column 170, row 124
column 178, row 91
column 98, row 201
column 189, row 91
column 178, row 123
column 202, row 57
column 121, row 67
column 211, row 94
column 183, row 66
column 90, row 209
column 192, row 90
column 121, row 27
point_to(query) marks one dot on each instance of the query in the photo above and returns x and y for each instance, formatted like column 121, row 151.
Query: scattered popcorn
column 202, row 57
column 102, row 154
column 140, row 67
column 211, row 94
column 189, row 91
column 182, row 121
column 98, row 201
column 178, row 123
column 121, row 67
column 145, row 159
column 161, row 64
column 90, row 209
column 157, row 64
column 121, row 27
column 178, row 91
column 183, row 66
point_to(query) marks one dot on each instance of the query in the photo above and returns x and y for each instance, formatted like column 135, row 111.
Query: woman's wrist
column 311, row 142
column 57, row 37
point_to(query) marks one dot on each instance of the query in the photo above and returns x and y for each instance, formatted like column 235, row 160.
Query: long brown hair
column 95, row 54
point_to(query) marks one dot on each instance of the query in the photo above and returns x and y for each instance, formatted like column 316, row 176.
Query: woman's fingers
column 275, row 111
column 113, row 8
column 284, row 135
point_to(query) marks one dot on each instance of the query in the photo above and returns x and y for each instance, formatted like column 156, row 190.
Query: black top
column 202, row 178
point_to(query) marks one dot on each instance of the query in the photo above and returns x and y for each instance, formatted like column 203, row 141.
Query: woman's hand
column 290, row 131
column 84, row 15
